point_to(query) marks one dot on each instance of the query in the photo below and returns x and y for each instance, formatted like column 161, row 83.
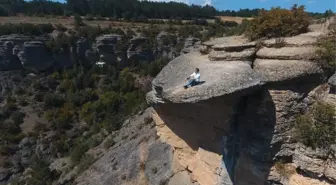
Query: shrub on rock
column 317, row 127
column 327, row 45
column 279, row 23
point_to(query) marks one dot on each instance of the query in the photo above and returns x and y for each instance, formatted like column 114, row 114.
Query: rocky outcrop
column 244, row 55
column 229, row 42
column 191, row 44
column 232, row 128
column 287, row 53
column 105, row 48
column 299, row 40
column 9, row 48
column 138, row 49
column 18, row 51
column 8, row 60
column 137, row 157
column 82, row 45
column 35, row 56
column 218, row 79
column 332, row 82
column 284, row 70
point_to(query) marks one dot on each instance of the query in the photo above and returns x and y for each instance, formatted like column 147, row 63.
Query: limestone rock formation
column 284, row 70
column 19, row 51
column 219, row 78
column 82, row 45
column 287, row 53
column 35, row 56
column 332, row 81
column 137, row 157
column 15, row 38
column 9, row 48
column 221, row 42
column 299, row 40
column 8, row 60
column 138, row 48
column 191, row 44
column 105, row 47
column 235, row 126
column 244, row 55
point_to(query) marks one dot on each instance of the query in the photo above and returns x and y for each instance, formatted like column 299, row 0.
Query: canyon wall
column 31, row 53
column 234, row 126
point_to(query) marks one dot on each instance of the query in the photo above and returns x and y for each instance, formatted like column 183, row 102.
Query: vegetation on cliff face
column 316, row 128
column 102, row 98
column 279, row 23
column 327, row 45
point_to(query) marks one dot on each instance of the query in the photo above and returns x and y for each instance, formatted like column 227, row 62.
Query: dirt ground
column 236, row 19
column 66, row 21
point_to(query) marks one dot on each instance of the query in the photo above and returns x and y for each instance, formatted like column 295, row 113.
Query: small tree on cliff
column 279, row 23
column 316, row 128
column 327, row 47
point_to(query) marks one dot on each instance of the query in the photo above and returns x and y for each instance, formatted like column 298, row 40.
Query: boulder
column 137, row 157
column 287, row 53
column 35, row 56
column 8, row 61
column 191, row 44
column 10, row 46
column 234, row 46
column 137, row 49
column 244, row 55
column 284, row 70
column 218, row 79
column 332, row 81
column 227, row 41
column 105, row 47
column 313, row 163
column 82, row 45
column 299, row 40
column 17, row 49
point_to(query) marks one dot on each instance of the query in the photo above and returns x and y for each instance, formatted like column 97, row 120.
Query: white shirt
column 196, row 76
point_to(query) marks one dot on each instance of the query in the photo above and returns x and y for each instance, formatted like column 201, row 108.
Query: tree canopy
column 119, row 9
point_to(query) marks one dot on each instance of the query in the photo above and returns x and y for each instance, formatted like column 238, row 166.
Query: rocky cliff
column 31, row 53
column 233, row 127
column 236, row 125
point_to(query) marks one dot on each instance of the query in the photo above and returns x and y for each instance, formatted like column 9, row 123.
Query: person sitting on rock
column 193, row 79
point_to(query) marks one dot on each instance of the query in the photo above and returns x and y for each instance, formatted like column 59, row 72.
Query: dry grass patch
column 238, row 20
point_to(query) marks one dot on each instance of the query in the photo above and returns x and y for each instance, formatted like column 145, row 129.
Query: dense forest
column 126, row 9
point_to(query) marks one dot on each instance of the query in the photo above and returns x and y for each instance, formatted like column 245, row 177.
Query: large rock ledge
column 284, row 70
column 287, row 53
column 246, row 54
column 218, row 79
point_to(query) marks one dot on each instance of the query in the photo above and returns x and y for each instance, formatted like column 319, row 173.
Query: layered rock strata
column 240, row 120
column 31, row 53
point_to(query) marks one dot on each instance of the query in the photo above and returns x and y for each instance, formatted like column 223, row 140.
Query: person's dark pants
column 190, row 83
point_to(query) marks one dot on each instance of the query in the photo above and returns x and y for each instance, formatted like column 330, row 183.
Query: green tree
column 279, row 23
column 317, row 127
